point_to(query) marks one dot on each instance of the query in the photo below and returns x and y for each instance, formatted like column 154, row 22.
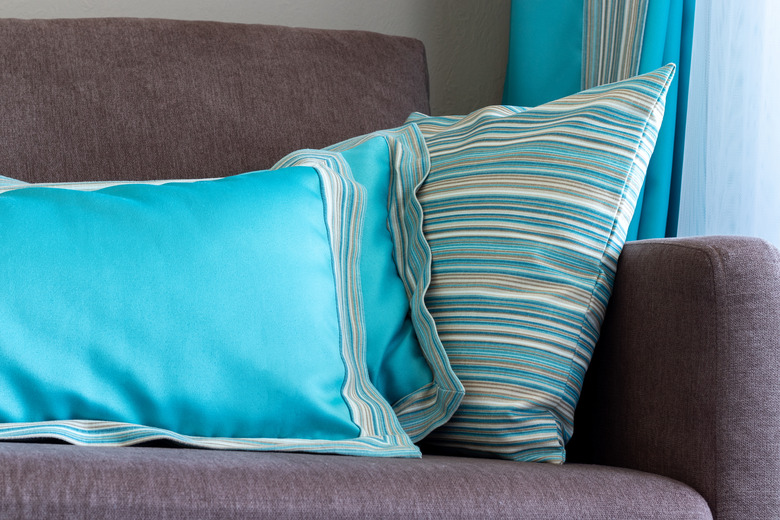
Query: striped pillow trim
column 430, row 125
column 6, row 182
column 380, row 432
column 432, row 405
column 526, row 215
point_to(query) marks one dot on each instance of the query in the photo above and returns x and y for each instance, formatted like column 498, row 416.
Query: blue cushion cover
column 223, row 313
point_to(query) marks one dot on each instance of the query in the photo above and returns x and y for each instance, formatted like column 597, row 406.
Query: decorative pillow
column 406, row 360
column 525, row 215
column 222, row 313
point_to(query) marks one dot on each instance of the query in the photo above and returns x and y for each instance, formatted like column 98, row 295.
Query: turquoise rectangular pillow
column 406, row 360
column 222, row 313
column 526, row 212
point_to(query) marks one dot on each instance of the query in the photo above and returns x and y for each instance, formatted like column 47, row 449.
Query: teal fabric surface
column 430, row 125
column 395, row 362
column 545, row 51
column 405, row 358
column 668, row 37
column 222, row 313
column 526, row 213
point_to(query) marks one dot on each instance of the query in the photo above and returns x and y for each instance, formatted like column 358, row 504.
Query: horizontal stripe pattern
column 380, row 432
column 8, row 182
column 526, row 212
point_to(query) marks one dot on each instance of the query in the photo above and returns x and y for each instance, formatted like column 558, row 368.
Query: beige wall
column 466, row 40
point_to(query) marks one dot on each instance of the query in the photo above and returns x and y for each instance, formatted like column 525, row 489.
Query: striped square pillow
column 526, row 214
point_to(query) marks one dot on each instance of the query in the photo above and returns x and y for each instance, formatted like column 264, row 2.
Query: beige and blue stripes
column 526, row 214
column 430, row 125
column 433, row 404
column 612, row 37
column 380, row 432
column 7, row 182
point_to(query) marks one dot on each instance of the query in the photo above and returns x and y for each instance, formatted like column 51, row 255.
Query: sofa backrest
column 135, row 99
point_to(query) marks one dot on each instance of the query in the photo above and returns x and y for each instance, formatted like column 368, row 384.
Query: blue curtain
column 558, row 47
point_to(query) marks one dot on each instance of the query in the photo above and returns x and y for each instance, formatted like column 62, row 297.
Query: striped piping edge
column 428, row 407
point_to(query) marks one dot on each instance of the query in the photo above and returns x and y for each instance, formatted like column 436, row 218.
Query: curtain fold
column 545, row 51
column 558, row 47
column 612, row 40
column 667, row 39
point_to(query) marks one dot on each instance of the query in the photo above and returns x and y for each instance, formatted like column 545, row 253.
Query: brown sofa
column 680, row 413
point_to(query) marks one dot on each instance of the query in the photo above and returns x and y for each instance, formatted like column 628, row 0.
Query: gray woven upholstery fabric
column 134, row 99
column 684, row 381
column 62, row 481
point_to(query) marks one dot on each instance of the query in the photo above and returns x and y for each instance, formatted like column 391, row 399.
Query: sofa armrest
column 685, row 380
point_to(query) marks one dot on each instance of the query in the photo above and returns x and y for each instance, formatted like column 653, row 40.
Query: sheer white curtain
column 731, row 168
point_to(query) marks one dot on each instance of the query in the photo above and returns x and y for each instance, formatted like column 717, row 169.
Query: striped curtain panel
column 558, row 47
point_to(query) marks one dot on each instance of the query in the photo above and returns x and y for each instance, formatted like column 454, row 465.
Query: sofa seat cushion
column 63, row 481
